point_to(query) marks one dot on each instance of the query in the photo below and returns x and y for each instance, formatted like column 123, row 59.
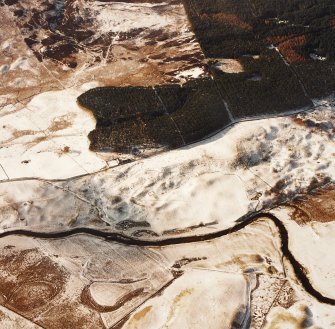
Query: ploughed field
column 285, row 50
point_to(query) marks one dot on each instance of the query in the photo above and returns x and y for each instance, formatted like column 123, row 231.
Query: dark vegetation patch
column 120, row 104
column 223, row 28
column 131, row 119
column 299, row 28
column 244, row 24
column 129, row 224
column 275, row 89
column 318, row 77
column 286, row 48
column 275, row 80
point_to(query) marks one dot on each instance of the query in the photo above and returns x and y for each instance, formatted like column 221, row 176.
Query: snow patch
column 228, row 65
column 193, row 73
column 125, row 17
column 317, row 57
column 48, row 137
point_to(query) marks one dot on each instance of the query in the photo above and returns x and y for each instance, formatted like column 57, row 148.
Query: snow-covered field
column 198, row 189
column 126, row 17
column 250, row 166
column 312, row 244
column 48, row 137
column 50, row 181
